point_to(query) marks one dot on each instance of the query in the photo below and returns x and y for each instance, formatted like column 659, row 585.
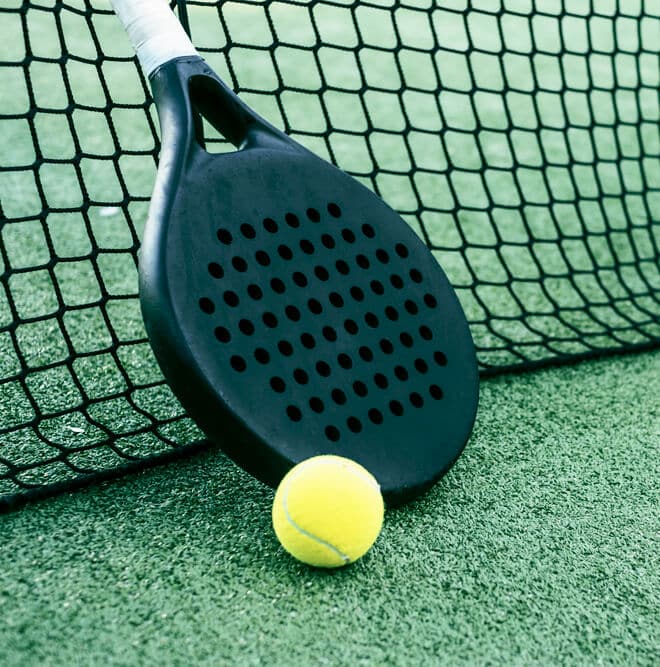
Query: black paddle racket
column 292, row 312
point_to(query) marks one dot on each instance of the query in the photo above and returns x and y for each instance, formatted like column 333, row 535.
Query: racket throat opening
column 216, row 108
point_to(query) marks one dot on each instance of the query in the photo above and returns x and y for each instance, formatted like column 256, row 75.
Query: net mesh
column 518, row 138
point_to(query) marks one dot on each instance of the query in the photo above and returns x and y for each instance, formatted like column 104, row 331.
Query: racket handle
column 155, row 33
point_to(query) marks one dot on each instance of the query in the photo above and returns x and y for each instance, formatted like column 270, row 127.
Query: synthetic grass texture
column 539, row 546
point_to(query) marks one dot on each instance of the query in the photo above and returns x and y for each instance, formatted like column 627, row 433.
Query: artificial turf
column 539, row 547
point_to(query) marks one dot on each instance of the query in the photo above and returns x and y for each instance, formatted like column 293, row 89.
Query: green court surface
column 539, row 547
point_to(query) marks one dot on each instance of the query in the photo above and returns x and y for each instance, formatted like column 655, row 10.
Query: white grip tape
column 155, row 33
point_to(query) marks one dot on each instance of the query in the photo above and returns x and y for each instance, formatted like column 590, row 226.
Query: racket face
column 294, row 314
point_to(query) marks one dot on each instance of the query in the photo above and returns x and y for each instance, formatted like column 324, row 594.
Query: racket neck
column 186, row 90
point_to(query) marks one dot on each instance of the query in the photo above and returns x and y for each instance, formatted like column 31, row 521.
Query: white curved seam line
column 311, row 536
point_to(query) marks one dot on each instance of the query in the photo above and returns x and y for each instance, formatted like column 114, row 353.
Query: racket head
column 292, row 311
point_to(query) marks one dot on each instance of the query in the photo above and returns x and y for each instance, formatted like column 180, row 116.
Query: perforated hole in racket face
column 320, row 319
column 339, row 345
column 292, row 312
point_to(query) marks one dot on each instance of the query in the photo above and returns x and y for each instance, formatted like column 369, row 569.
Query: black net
column 519, row 138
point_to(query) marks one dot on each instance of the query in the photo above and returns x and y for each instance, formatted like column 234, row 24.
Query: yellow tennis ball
column 328, row 511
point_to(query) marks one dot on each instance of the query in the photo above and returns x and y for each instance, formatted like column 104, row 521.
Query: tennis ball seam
column 358, row 473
